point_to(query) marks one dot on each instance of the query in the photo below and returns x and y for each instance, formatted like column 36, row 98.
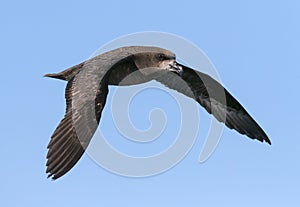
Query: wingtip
column 268, row 141
column 265, row 139
column 50, row 176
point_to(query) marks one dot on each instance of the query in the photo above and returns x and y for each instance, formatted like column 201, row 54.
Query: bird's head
column 151, row 62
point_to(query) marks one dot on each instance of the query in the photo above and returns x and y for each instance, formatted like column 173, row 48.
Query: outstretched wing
column 84, row 106
column 216, row 100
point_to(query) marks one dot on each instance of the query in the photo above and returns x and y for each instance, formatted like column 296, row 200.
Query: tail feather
column 55, row 75
column 67, row 74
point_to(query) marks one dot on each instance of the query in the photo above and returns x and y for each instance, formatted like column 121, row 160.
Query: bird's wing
column 85, row 95
column 85, row 98
column 215, row 99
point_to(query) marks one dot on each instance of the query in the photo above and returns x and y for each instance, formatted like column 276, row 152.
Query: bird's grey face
column 152, row 62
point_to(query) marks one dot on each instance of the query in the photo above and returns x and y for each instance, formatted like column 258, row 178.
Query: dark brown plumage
column 87, row 90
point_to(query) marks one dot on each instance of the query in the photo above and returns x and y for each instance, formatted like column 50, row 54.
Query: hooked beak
column 174, row 67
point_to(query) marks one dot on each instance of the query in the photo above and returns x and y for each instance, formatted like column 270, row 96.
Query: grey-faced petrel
column 87, row 89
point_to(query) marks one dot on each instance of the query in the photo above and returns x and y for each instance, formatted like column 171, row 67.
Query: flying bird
column 87, row 90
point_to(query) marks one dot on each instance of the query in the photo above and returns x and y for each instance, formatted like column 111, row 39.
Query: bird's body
column 87, row 90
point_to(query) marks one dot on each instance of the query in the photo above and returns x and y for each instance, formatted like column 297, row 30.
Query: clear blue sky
column 255, row 48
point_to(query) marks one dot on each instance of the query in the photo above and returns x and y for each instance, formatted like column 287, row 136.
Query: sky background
column 254, row 46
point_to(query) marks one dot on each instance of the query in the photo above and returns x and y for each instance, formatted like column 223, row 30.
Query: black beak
column 174, row 67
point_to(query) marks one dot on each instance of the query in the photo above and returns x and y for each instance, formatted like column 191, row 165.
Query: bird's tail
column 66, row 74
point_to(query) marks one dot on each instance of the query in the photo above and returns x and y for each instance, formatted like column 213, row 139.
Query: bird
column 87, row 90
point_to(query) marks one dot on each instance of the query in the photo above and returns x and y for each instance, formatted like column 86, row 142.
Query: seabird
column 87, row 90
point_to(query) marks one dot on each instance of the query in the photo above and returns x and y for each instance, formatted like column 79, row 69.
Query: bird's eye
column 161, row 57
